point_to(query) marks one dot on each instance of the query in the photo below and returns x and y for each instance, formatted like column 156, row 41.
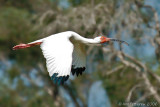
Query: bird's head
column 103, row 39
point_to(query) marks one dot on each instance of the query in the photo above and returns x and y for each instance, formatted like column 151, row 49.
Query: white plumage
column 65, row 53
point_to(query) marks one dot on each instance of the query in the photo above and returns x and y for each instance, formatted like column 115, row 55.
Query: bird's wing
column 79, row 59
column 58, row 53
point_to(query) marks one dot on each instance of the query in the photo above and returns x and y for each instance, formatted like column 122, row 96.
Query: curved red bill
column 120, row 41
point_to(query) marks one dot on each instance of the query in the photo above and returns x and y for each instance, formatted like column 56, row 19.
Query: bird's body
column 65, row 53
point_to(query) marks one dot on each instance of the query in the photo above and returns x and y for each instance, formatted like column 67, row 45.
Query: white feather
column 57, row 50
column 79, row 55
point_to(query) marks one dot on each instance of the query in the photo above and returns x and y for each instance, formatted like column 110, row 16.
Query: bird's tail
column 22, row 45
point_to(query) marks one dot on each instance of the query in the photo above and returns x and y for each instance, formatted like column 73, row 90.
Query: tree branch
column 115, row 70
column 143, row 71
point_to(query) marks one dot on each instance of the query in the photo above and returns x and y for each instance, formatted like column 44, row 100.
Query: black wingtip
column 59, row 79
column 78, row 70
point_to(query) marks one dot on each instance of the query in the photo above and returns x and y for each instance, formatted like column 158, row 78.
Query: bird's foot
column 21, row 46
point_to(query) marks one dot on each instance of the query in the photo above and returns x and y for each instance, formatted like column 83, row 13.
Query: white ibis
column 65, row 53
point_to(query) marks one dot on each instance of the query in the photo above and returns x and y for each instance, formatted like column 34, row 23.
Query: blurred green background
column 115, row 74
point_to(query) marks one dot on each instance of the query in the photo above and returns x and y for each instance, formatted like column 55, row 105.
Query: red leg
column 22, row 46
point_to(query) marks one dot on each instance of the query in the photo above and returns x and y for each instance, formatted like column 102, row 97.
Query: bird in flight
column 65, row 53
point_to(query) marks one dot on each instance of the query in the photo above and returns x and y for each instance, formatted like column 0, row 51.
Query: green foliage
column 13, row 72
column 77, row 2
column 13, row 22
column 117, row 86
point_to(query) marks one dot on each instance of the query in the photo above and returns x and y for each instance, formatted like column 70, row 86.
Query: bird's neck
column 81, row 39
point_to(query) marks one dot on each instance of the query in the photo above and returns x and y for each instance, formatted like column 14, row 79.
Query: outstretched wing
column 58, row 53
column 79, row 59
